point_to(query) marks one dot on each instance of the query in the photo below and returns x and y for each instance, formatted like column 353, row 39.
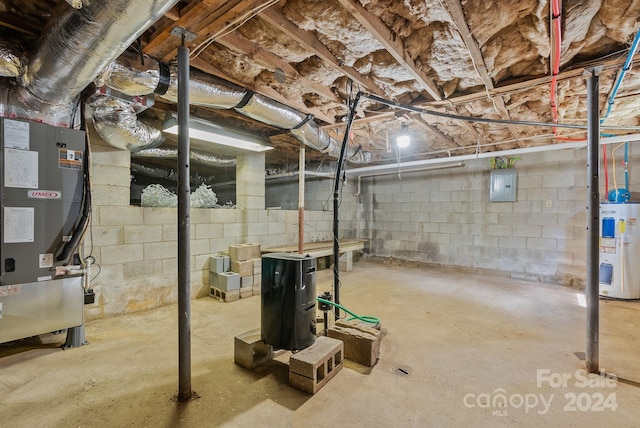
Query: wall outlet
column 549, row 203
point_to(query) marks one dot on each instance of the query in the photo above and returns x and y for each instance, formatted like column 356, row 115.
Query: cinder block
column 257, row 279
column 227, row 281
column 225, row 296
column 346, row 262
column 213, row 279
column 250, row 351
column 246, row 281
column 244, row 268
column 361, row 345
column 257, row 289
column 257, row 266
column 311, row 368
column 219, row 264
column 243, row 252
column 246, row 292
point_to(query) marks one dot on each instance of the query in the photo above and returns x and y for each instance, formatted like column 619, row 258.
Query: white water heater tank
column 620, row 250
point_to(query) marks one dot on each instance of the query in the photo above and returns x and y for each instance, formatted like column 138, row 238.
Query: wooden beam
column 173, row 13
column 454, row 8
column 10, row 20
column 392, row 43
column 221, row 21
column 434, row 132
column 310, row 42
column 269, row 60
column 162, row 44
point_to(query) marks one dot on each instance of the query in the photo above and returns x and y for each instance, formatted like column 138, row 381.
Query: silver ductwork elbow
column 129, row 76
column 78, row 44
column 116, row 122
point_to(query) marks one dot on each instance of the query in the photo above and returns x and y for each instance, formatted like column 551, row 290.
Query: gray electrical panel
column 41, row 190
column 503, row 185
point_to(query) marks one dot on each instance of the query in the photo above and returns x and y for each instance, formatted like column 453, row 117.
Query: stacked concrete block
column 224, row 285
column 246, row 281
column 219, row 264
column 244, row 252
column 250, row 351
column 242, row 261
column 225, row 296
column 242, row 268
column 257, row 276
column 361, row 342
column 311, row 368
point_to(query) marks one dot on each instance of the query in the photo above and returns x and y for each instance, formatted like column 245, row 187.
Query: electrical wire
column 613, row 161
column 230, row 27
column 487, row 120
column 555, row 66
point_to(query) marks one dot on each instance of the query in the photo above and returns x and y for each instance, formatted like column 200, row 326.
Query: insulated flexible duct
column 77, row 45
column 116, row 122
column 197, row 156
column 210, row 91
column 166, row 173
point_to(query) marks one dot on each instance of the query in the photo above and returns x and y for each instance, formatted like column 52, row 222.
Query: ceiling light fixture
column 214, row 133
column 403, row 140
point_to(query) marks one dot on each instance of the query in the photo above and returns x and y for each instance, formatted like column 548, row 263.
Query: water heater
column 620, row 250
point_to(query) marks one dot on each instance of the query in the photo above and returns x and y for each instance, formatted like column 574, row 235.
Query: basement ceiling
column 480, row 58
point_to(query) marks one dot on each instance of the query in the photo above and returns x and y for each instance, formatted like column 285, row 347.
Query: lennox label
column 44, row 194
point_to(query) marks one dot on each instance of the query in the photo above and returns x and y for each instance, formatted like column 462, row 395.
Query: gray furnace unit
column 288, row 313
column 41, row 189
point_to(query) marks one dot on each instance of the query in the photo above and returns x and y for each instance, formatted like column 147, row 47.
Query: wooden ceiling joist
column 309, row 41
column 454, row 7
column 272, row 62
column 393, row 44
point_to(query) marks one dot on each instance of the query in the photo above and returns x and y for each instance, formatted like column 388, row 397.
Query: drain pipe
column 593, row 220
column 426, row 168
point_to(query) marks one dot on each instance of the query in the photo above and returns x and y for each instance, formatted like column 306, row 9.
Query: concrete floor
column 464, row 339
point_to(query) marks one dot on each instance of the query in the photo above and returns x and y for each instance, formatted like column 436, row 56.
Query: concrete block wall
column 445, row 218
column 136, row 247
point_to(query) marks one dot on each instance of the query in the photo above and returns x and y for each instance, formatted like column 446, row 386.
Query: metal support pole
column 184, row 194
column 593, row 219
column 301, row 201
column 336, row 203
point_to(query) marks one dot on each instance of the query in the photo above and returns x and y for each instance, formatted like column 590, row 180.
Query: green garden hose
column 369, row 319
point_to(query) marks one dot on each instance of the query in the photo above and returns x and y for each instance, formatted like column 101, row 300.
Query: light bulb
column 403, row 141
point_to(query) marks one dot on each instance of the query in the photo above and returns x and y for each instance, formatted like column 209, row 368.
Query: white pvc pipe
column 535, row 149
column 425, row 168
